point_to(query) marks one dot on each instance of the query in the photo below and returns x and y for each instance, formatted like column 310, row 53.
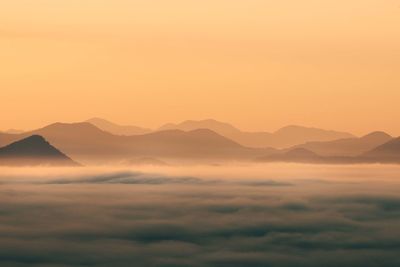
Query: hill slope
column 117, row 129
column 347, row 146
column 283, row 138
column 388, row 152
column 34, row 150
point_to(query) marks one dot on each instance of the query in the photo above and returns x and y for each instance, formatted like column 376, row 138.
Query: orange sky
column 259, row 64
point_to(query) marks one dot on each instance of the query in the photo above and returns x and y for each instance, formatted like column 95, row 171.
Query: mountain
column 190, row 125
column 347, row 146
column 299, row 155
column 197, row 144
column 79, row 140
column 117, row 129
column 7, row 138
column 285, row 137
column 33, row 150
column 387, row 152
column 293, row 134
column 88, row 144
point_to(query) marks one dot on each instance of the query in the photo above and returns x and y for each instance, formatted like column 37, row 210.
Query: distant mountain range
column 389, row 152
column 282, row 138
column 117, row 129
column 33, row 150
column 347, row 146
column 87, row 143
column 194, row 141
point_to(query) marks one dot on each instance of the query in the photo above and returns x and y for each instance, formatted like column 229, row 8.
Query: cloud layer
column 128, row 218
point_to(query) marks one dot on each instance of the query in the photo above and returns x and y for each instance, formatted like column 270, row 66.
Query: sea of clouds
column 256, row 215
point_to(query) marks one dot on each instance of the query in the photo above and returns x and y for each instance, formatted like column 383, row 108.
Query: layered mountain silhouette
column 348, row 146
column 89, row 144
column 283, row 138
column 388, row 152
column 85, row 142
column 300, row 155
column 33, row 150
column 116, row 128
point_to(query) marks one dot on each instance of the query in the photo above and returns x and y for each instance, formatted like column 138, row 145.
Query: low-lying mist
column 235, row 215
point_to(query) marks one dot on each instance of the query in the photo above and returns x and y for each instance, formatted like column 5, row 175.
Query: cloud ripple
column 125, row 218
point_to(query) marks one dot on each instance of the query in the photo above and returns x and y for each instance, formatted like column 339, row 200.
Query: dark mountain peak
column 33, row 139
column 33, row 150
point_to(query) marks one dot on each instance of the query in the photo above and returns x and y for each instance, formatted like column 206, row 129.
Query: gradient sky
column 259, row 64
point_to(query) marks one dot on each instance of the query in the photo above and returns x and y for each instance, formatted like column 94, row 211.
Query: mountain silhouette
column 300, row 155
column 79, row 140
column 298, row 134
column 347, row 146
column 283, row 138
column 116, row 129
column 33, row 150
column 7, row 138
column 190, row 125
column 388, row 152
column 87, row 143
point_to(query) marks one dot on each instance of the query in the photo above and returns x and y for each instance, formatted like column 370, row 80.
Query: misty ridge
column 98, row 141
column 33, row 150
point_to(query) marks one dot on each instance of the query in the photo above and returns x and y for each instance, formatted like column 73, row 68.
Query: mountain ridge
column 282, row 138
column 87, row 143
column 347, row 146
column 389, row 151
column 33, row 150
column 117, row 129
